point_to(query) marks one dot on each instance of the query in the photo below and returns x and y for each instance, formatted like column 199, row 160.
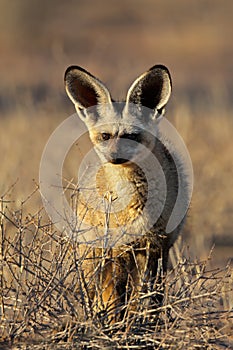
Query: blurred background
column 117, row 41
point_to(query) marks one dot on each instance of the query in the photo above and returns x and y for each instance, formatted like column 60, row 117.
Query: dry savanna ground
column 42, row 289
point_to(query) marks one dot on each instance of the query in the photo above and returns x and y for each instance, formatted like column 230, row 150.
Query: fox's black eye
column 133, row 137
column 105, row 136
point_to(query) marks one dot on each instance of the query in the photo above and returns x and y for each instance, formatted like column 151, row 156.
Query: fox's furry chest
column 122, row 200
column 125, row 189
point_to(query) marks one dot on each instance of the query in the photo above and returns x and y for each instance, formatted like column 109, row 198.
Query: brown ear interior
column 152, row 89
column 83, row 92
column 84, row 89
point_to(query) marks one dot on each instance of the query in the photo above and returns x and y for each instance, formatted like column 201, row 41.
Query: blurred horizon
column 38, row 40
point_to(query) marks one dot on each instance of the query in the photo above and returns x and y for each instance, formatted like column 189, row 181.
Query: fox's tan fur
column 139, row 258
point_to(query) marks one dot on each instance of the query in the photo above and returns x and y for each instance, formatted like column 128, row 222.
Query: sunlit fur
column 124, row 136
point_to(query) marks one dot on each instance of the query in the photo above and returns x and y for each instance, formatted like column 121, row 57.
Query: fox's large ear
column 152, row 89
column 84, row 89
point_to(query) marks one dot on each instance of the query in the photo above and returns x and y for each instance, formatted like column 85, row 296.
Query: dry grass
column 42, row 297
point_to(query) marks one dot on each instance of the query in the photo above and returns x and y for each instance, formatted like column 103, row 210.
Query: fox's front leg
column 107, row 299
column 117, row 288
